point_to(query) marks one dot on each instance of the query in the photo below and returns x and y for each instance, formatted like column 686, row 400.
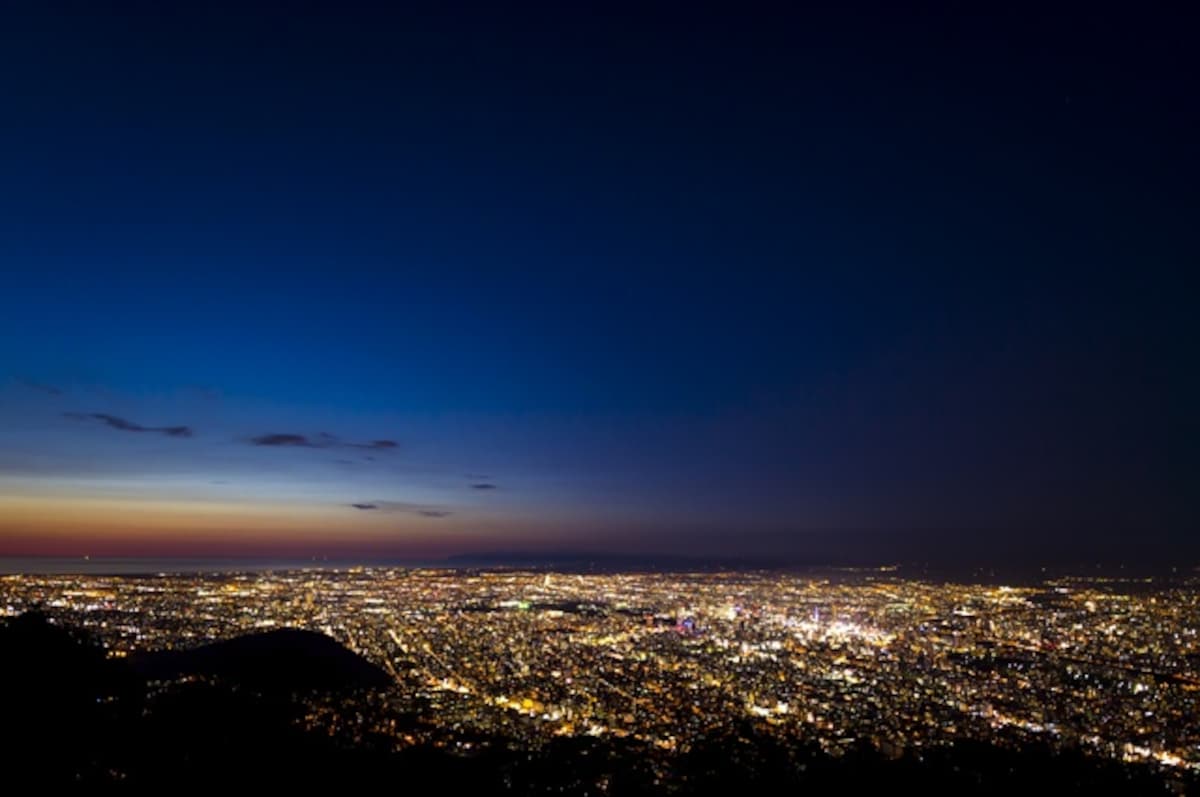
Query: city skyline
column 1102, row 664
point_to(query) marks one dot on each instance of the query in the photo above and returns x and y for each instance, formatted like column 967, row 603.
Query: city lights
column 1106, row 666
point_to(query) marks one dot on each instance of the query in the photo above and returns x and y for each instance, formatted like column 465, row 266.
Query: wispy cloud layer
column 323, row 440
column 114, row 422
column 282, row 440
column 402, row 507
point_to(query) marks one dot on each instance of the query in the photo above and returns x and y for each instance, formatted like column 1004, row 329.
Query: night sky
column 401, row 281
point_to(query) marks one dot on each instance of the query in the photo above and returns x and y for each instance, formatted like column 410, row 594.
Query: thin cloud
column 401, row 507
column 114, row 422
column 483, row 486
column 374, row 445
column 322, row 440
column 296, row 440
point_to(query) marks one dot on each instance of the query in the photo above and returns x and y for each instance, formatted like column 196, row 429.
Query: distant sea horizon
column 138, row 565
column 184, row 565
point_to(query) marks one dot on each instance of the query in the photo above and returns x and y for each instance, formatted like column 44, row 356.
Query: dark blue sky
column 862, row 284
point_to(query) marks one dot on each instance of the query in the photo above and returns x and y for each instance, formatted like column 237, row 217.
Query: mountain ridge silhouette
column 289, row 659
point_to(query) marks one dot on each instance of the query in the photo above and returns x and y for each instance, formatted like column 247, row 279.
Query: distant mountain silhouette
column 281, row 660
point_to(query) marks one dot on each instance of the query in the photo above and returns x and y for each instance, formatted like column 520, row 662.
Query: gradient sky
column 814, row 285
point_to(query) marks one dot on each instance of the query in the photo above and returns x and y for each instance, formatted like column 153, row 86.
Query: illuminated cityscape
column 1106, row 666
column 577, row 399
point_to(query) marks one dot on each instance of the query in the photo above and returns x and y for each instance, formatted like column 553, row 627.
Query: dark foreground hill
column 288, row 660
column 71, row 716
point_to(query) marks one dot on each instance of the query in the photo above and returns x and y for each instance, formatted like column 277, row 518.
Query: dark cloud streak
column 296, row 440
column 402, row 507
column 323, row 440
column 374, row 445
column 114, row 422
